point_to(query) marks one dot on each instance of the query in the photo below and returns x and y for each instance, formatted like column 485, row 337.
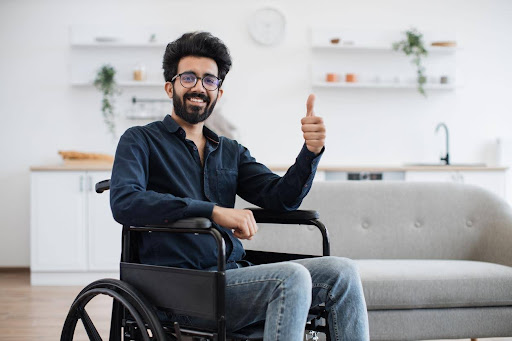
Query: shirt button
column 195, row 148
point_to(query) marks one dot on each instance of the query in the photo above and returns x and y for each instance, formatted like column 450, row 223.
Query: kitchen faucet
column 446, row 159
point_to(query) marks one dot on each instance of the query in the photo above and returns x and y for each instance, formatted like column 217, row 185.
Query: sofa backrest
column 397, row 220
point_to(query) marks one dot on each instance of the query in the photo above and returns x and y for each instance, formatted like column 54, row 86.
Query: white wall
column 41, row 113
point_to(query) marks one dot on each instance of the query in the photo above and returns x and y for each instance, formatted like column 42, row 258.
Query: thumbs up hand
column 313, row 128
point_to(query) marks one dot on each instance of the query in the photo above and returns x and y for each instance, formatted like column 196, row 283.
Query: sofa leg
column 474, row 339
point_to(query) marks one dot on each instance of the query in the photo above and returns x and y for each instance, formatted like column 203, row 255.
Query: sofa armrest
column 498, row 241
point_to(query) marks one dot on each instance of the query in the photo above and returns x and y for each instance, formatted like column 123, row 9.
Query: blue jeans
column 281, row 294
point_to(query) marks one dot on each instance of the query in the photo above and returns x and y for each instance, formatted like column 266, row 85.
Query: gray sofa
column 435, row 258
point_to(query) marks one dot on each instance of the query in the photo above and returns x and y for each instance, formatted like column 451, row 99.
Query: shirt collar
column 172, row 126
column 210, row 135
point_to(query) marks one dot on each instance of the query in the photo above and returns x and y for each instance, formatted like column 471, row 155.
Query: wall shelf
column 430, row 49
column 118, row 45
column 368, row 85
column 369, row 57
column 125, row 83
column 125, row 48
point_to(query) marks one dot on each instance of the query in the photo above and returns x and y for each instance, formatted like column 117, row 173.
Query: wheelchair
column 145, row 289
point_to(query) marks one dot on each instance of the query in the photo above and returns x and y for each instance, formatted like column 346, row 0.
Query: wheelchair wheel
column 144, row 324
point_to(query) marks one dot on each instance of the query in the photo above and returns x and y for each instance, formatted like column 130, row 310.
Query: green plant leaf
column 413, row 45
column 105, row 82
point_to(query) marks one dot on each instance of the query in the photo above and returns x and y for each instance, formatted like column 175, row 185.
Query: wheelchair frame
column 134, row 314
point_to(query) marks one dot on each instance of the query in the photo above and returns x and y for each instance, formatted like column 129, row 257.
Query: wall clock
column 267, row 26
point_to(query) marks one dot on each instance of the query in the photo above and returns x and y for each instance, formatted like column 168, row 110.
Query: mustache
column 197, row 95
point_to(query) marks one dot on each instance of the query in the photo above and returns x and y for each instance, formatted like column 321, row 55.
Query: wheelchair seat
column 145, row 292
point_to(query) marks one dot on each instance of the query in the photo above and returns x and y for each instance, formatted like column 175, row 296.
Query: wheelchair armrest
column 293, row 217
column 298, row 217
column 102, row 186
column 187, row 223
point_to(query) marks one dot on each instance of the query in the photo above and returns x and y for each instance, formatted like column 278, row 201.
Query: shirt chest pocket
column 227, row 181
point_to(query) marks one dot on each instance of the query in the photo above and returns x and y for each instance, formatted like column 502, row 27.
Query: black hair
column 198, row 44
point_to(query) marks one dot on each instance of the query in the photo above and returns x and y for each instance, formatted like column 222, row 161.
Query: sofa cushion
column 408, row 284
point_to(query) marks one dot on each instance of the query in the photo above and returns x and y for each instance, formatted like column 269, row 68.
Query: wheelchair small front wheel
column 144, row 324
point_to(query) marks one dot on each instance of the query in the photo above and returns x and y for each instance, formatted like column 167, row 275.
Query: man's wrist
column 215, row 210
column 309, row 154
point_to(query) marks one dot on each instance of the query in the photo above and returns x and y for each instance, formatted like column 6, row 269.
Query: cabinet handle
column 81, row 183
column 89, row 183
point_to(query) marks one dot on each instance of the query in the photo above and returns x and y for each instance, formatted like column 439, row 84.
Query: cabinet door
column 493, row 181
column 57, row 221
column 433, row 176
column 104, row 233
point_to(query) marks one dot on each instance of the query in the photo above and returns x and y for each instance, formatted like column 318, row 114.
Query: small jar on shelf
column 332, row 77
column 139, row 72
column 350, row 78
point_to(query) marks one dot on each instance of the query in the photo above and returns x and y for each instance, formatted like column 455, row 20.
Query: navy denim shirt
column 158, row 178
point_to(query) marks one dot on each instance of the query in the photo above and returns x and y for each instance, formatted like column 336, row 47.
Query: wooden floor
column 37, row 312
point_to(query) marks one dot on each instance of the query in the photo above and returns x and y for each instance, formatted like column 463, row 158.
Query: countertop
column 74, row 166
column 401, row 168
column 105, row 166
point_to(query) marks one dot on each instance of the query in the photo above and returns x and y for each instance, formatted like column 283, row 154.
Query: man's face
column 195, row 104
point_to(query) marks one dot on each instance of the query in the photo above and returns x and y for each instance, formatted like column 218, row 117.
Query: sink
column 426, row 164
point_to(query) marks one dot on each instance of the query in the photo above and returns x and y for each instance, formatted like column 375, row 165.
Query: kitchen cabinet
column 492, row 180
column 73, row 237
column 369, row 57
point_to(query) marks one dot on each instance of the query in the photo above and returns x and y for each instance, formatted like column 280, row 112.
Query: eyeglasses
column 189, row 80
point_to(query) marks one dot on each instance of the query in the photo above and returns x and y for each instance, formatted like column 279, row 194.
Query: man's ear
column 169, row 89
column 219, row 95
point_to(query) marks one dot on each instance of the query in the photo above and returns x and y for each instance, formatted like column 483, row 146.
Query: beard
column 192, row 114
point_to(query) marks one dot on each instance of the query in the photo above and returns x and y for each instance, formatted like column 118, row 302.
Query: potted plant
column 413, row 45
column 105, row 82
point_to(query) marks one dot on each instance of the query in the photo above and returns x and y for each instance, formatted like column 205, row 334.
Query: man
column 178, row 168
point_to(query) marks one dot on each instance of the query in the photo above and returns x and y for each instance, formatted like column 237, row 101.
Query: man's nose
column 199, row 86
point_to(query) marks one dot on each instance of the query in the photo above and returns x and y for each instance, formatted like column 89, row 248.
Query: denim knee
column 341, row 264
column 296, row 279
column 339, row 268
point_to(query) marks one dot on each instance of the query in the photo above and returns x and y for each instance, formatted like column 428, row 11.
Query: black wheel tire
column 123, row 294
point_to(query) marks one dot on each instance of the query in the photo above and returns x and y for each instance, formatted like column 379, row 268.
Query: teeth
column 198, row 100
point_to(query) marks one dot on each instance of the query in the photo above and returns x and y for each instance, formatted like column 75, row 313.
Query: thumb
column 310, row 104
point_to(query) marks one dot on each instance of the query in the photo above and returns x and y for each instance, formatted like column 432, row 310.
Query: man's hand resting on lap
column 240, row 221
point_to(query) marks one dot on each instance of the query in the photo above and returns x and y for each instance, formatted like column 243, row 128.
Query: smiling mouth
column 196, row 100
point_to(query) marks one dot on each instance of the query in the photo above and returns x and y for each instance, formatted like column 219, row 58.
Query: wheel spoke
column 91, row 330
column 125, row 299
column 115, row 322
